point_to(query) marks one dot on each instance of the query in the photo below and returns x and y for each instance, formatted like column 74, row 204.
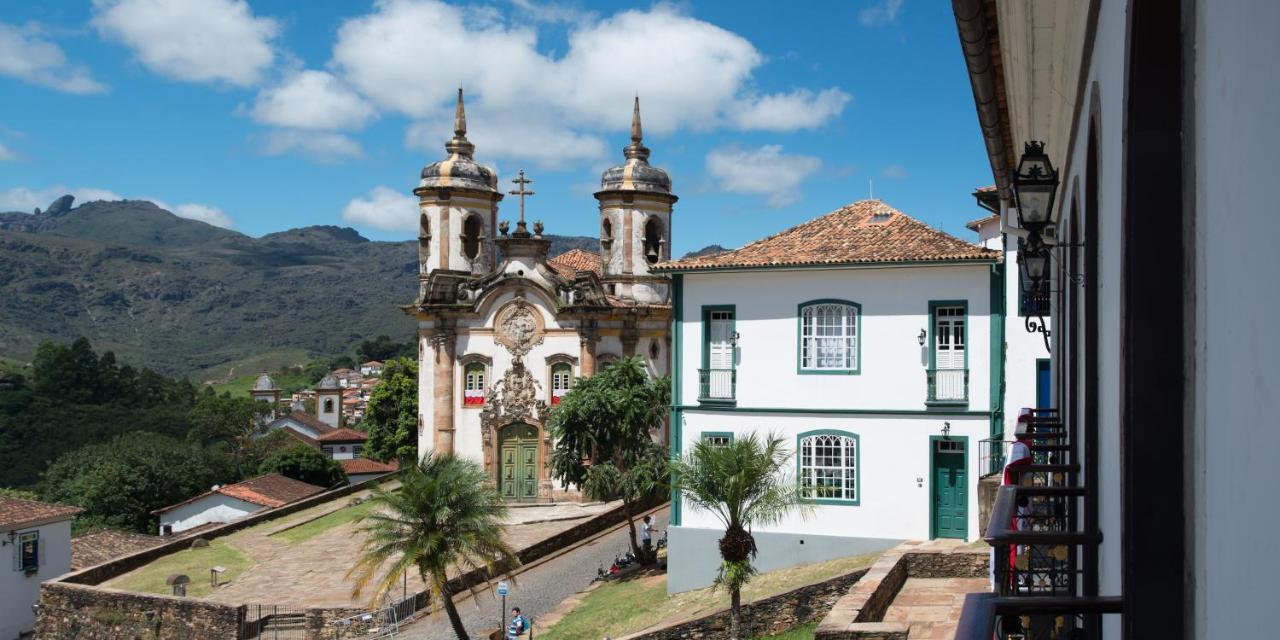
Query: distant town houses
column 223, row 504
column 37, row 539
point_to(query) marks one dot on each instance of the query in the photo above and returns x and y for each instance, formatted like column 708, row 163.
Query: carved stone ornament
column 519, row 327
column 513, row 398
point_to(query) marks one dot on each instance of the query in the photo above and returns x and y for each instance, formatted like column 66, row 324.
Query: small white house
column 871, row 343
column 372, row 368
column 233, row 502
column 37, row 536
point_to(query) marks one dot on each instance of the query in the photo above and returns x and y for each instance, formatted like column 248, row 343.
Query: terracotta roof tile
column 307, row 419
column 344, row 435
column 16, row 513
column 974, row 224
column 365, row 465
column 867, row 231
column 271, row 490
column 102, row 546
column 569, row 263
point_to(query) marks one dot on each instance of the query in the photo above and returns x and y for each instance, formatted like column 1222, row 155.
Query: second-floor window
column 829, row 337
column 561, row 380
column 29, row 551
column 473, row 391
column 357, row 451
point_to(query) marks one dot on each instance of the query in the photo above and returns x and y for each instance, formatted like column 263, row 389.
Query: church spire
column 636, row 150
column 459, row 145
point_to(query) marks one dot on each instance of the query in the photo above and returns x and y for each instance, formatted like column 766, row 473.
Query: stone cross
column 521, row 182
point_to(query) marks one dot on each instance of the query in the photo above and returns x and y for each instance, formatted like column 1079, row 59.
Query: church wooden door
column 518, row 476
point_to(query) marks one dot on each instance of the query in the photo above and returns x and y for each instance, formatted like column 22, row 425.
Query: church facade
column 504, row 330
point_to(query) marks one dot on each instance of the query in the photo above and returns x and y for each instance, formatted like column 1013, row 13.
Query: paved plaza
column 932, row 605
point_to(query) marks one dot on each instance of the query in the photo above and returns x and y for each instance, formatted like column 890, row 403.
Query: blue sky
column 271, row 114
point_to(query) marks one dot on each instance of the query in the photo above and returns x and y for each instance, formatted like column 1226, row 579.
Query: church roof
column 569, row 263
column 329, row 382
column 459, row 170
column 867, row 231
column 265, row 383
column 305, row 419
column 635, row 173
column 343, row 435
column 16, row 513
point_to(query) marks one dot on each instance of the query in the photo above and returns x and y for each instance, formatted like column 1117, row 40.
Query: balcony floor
column 931, row 606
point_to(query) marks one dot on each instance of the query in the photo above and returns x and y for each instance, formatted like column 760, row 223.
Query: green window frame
column 830, row 455
column 818, row 311
column 934, row 307
column 717, row 438
column 713, row 391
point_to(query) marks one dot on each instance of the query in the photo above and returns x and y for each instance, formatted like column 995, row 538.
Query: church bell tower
column 458, row 199
column 635, row 222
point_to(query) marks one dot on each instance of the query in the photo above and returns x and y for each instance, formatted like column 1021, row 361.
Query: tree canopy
column 391, row 416
column 229, row 423
column 305, row 464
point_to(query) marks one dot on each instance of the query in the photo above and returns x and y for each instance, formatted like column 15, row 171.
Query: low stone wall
column 859, row 614
column 95, row 613
column 776, row 614
column 988, row 487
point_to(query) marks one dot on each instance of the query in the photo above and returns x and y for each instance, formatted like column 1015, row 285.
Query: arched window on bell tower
column 653, row 240
column 606, row 235
column 472, row 231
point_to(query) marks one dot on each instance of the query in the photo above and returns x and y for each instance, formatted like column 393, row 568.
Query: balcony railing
column 948, row 386
column 1036, row 539
column 717, row 385
column 991, row 453
column 986, row 616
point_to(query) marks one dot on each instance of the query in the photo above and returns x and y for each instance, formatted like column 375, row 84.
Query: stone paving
column 932, row 605
column 312, row 573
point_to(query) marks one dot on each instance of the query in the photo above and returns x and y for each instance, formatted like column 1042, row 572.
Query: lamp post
column 1035, row 184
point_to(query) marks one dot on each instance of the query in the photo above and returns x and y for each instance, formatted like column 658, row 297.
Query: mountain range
column 187, row 298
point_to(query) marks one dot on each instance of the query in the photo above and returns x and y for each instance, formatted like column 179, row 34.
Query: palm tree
column 743, row 483
column 446, row 513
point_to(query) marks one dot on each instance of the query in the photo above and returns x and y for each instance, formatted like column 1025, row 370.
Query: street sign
column 502, row 588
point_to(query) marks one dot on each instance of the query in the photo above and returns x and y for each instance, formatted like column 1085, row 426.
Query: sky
column 265, row 115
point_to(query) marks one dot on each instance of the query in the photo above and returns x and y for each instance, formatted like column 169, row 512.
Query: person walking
column 646, row 537
column 519, row 624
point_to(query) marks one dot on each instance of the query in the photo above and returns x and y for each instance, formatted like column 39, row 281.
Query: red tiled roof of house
column 365, row 465
column 16, row 513
column 309, row 420
column 301, row 437
column 867, row 231
column 344, row 435
column 271, row 490
column 102, row 546
column 569, row 263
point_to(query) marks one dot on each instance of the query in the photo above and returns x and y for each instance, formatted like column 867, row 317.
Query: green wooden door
column 518, row 479
column 950, row 490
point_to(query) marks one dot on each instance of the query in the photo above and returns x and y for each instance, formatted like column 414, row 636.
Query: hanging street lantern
column 1034, row 260
column 1034, row 186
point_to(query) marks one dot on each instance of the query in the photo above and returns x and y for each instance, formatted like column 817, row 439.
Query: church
column 504, row 330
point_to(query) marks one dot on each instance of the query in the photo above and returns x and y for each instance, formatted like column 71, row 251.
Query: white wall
column 1237, row 380
column 215, row 507
column 895, row 307
column 894, row 454
column 331, row 418
column 17, row 591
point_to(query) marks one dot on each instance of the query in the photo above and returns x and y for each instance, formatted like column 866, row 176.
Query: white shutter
column 720, row 352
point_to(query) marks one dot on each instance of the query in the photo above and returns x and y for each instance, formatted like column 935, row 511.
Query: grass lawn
column 324, row 523
column 802, row 632
column 620, row 608
column 194, row 563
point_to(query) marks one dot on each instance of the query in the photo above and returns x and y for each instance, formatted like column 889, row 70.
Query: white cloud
column 385, row 208
column 799, row 109
column 204, row 213
column 7, row 154
column 765, row 170
column 881, row 14
column 689, row 74
column 26, row 199
column 193, row 40
column 894, row 172
column 26, row 54
column 312, row 100
column 321, row 146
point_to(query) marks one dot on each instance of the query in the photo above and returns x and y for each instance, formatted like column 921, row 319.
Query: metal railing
column 991, row 452
column 948, row 385
column 717, row 385
column 986, row 616
column 1036, row 541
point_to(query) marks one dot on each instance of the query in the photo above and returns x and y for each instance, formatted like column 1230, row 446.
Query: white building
column 233, row 502
column 1159, row 118
column 501, row 340
column 38, row 538
column 871, row 342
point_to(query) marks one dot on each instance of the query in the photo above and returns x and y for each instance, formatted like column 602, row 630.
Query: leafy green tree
column 604, row 437
column 306, row 464
column 744, row 484
column 391, row 416
column 445, row 514
column 120, row 482
column 21, row 494
column 383, row 348
column 230, row 423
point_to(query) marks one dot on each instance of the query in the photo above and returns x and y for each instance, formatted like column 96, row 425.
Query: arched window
column 328, row 405
column 829, row 337
column 829, row 467
column 653, row 241
column 561, row 381
column 474, row 378
column 606, row 234
column 471, row 237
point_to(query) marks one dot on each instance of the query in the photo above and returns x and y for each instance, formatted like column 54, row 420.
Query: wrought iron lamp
column 921, row 338
column 1035, row 184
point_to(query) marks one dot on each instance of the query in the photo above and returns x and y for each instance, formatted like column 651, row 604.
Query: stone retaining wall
column 95, row 613
column 772, row 615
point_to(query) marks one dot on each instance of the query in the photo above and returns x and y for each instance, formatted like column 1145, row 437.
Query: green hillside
column 187, row 298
